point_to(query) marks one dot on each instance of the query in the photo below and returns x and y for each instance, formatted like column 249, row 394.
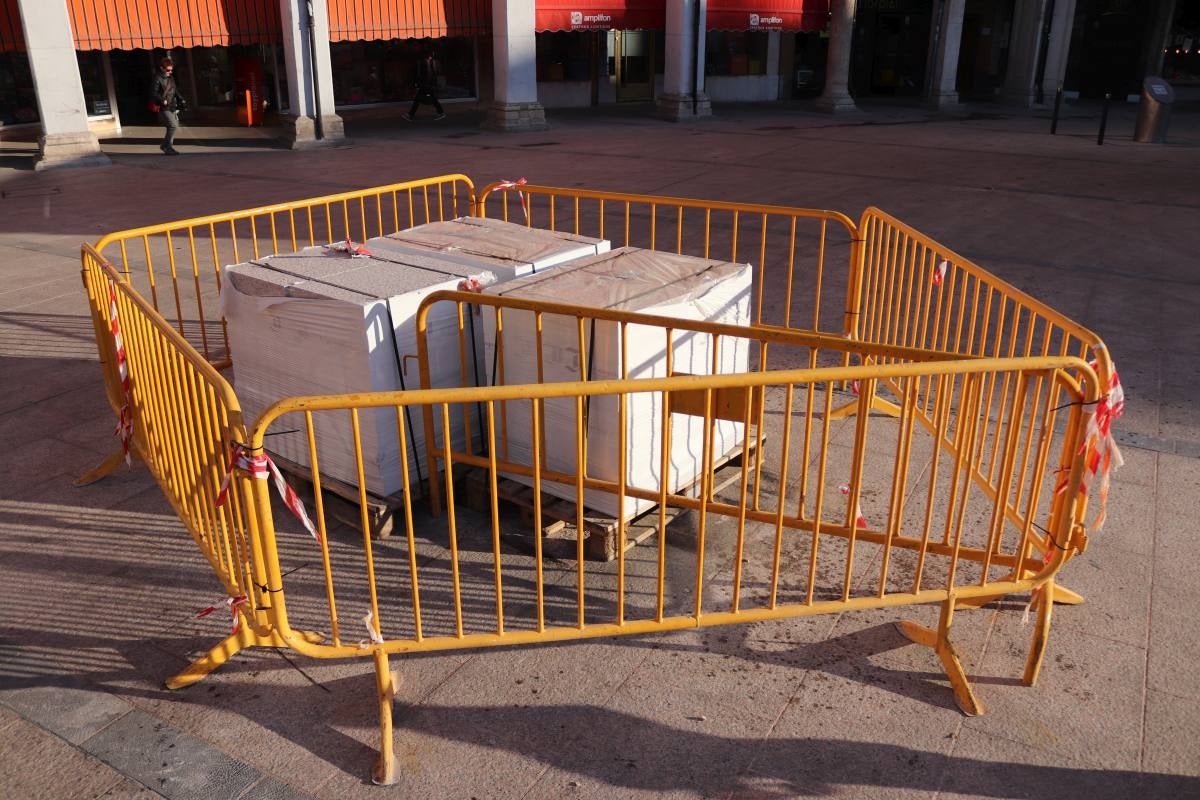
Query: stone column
column 683, row 63
column 1156, row 41
column 836, row 97
column 515, row 106
column 66, row 139
column 308, row 100
column 1057, row 49
column 943, row 92
column 1025, row 52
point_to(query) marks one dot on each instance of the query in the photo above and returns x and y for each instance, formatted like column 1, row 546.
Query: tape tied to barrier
column 506, row 185
column 859, row 520
column 939, row 272
column 124, row 429
column 232, row 603
column 1100, row 447
column 260, row 467
column 373, row 636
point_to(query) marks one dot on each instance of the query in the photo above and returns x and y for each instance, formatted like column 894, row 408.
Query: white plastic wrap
column 634, row 280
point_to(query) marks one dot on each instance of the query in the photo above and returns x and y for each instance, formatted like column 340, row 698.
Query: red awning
column 380, row 20
column 12, row 34
column 767, row 15
column 600, row 15
column 147, row 24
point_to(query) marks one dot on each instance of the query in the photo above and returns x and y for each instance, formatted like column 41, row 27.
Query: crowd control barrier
column 973, row 488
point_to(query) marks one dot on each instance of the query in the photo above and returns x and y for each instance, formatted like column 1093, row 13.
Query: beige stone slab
column 1171, row 734
column 984, row 765
column 39, row 766
column 1175, row 605
column 1087, row 704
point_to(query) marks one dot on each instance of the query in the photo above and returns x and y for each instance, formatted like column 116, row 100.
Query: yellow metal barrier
column 790, row 248
column 908, row 526
column 177, row 265
column 973, row 490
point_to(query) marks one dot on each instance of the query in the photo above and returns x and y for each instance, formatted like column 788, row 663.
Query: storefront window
column 735, row 53
column 563, row 56
column 1181, row 61
column 95, row 86
column 382, row 72
column 18, row 103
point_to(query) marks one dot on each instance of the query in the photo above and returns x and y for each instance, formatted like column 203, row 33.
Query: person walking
column 165, row 100
column 427, row 80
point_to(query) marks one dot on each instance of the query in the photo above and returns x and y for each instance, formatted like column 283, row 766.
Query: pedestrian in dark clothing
column 165, row 100
column 427, row 80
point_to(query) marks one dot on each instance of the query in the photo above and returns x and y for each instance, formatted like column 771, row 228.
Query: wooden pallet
column 341, row 500
column 559, row 516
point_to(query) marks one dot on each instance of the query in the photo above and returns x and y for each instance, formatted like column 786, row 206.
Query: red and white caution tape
column 505, row 185
column 1105, row 456
column 939, row 273
column 124, row 429
column 233, row 603
column 349, row 248
column 261, row 467
column 859, row 520
column 854, row 388
column 373, row 636
column 470, row 285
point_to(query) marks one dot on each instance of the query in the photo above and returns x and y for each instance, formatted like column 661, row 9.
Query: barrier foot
column 1065, row 596
column 384, row 773
column 1041, row 632
column 227, row 648
column 939, row 640
column 106, row 467
column 877, row 404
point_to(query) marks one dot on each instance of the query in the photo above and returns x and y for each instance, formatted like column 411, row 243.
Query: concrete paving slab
column 39, row 766
column 176, row 765
column 1171, row 734
column 1084, row 706
column 74, row 713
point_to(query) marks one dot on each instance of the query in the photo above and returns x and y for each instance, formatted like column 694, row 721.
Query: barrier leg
column 877, row 404
column 385, row 768
column 939, row 640
column 1041, row 632
column 1061, row 594
column 106, row 467
column 226, row 649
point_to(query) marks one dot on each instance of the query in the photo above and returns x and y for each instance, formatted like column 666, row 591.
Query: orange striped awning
column 148, row 24
column 767, row 15
column 593, row 15
column 12, row 35
column 380, row 20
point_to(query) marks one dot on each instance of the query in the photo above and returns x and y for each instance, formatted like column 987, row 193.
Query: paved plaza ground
column 101, row 583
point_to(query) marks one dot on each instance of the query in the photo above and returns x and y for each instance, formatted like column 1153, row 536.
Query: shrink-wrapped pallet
column 629, row 279
column 505, row 249
column 322, row 322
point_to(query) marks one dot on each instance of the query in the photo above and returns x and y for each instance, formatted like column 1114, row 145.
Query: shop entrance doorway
column 633, row 52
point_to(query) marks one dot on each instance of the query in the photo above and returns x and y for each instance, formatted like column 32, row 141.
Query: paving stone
column 74, row 713
column 36, row 765
column 176, row 765
column 1172, row 730
column 988, row 765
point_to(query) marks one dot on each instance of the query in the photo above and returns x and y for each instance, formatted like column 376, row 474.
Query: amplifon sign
column 759, row 22
column 587, row 22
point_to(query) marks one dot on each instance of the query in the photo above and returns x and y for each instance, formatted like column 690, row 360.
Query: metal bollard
column 1104, row 118
column 1057, row 108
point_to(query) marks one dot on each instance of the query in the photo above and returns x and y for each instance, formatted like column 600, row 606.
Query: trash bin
column 1154, row 111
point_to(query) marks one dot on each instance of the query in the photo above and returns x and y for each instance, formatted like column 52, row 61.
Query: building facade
column 81, row 68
